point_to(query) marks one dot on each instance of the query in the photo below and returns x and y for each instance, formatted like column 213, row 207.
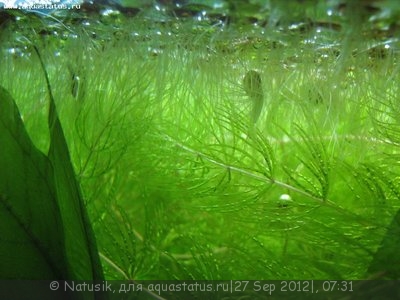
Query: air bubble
column 284, row 200
column 285, row 197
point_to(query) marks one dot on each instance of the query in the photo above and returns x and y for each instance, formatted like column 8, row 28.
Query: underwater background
column 200, row 140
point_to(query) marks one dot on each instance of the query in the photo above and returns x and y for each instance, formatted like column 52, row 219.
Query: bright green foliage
column 178, row 187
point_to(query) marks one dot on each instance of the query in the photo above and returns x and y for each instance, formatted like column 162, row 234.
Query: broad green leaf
column 80, row 244
column 45, row 230
column 31, row 230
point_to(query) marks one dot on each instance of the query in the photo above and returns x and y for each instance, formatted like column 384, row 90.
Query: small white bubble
column 285, row 197
column 284, row 200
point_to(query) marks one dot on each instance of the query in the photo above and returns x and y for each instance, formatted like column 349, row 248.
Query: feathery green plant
column 178, row 188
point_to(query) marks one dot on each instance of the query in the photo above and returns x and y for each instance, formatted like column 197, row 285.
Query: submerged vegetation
column 156, row 118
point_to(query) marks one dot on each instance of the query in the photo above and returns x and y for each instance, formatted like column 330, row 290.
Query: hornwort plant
column 175, row 185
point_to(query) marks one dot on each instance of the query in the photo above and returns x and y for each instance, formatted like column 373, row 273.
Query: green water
column 221, row 140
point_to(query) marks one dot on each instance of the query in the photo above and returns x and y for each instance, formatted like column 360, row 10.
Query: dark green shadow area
column 45, row 232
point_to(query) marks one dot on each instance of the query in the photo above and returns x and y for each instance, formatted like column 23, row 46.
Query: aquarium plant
column 240, row 141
